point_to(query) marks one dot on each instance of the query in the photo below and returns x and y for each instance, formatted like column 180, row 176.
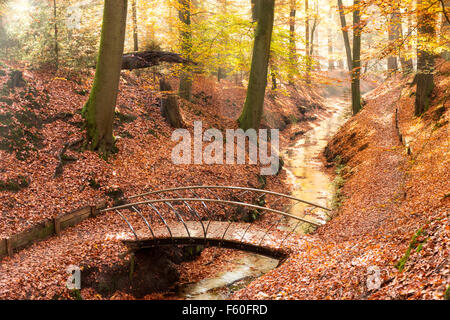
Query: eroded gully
column 309, row 182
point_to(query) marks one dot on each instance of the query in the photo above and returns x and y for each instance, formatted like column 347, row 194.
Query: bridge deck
column 242, row 236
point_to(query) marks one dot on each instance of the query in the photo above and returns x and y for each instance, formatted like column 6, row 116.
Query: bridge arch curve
column 194, row 228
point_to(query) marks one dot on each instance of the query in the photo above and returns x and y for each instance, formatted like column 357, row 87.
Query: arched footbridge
column 213, row 216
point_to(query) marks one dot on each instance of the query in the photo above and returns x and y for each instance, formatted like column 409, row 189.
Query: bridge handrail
column 211, row 200
column 231, row 187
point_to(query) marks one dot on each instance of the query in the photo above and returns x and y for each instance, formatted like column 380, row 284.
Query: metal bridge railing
column 281, row 195
column 196, row 216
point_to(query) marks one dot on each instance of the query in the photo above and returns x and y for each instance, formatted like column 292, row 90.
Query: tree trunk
column 221, row 58
column 409, row 61
column 445, row 30
column 307, row 44
column 135, row 28
column 313, row 38
column 356, row 65
column 394, row 32
column 99, row 109
column 315, row 43
column 2, row 32
column 169, row 105
column 348, row 49
column 255, row 9
column 315, row 32
column 220, row 74
column 184, row 14
column 397, row 38
column 55, row 16
column 339, row 46
column 292, row 46
column 425, row 58
column 253, row 107
column 330, row 40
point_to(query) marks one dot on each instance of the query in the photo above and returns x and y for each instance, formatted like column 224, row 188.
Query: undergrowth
column 338, row 184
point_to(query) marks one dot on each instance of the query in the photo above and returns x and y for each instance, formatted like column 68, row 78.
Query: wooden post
column 94, row 211
column 57, row 223
column 9, row 248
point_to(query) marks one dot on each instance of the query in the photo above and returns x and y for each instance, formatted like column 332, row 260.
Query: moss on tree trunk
column 98, row 111
column 253, row 107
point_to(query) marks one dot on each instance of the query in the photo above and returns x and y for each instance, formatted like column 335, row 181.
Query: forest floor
column 40, row 116
column 395, row 207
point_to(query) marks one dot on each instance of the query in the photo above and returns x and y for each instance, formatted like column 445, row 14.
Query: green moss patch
column 20, row 127
column 414, row 244
column 124, row 118
column 338, row 184
column 14, row 184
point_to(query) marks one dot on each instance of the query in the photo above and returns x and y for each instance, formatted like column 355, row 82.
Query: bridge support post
column 132, row 265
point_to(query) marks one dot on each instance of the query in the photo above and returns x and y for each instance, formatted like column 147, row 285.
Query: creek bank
column 145, row 271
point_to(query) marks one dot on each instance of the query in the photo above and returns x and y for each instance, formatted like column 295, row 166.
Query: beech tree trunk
column 356, row 65
column 135, row 28
column 426, row 32
column 292, row 46
column 98, row 111
column 394, row 35
column 409, row 61
column 184, row 14
column 254, row 102
column 313, row 38
column 330, row 40
column 445, row 29
column 255, row 8
column 348, row 49
column 56, row 46
column 222, row 67
column 314, row 42
column 2, row 31
column 397, row 31
column 307, row 44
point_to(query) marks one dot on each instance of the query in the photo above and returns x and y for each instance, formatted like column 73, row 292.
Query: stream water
column 308, row 182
